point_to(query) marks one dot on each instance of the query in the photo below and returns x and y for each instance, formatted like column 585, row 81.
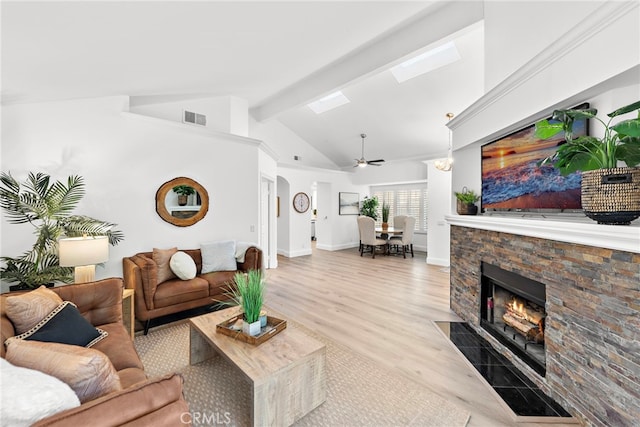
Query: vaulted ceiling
column 277, row 55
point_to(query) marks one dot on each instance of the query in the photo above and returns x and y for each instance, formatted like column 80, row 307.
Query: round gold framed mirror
column 182, row 202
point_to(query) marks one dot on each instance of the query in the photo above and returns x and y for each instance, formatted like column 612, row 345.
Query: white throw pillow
column 29, row 395
column 183, row 266
column 218, row 256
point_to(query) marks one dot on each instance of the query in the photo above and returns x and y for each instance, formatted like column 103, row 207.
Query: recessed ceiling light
column 425, row 62
column 329, row 102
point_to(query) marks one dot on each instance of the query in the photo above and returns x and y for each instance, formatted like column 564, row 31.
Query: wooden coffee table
column 287, row 373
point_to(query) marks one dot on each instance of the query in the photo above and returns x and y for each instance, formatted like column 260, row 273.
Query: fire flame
column 518, row 308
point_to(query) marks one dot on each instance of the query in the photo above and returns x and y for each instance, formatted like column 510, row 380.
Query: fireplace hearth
column 512, row 310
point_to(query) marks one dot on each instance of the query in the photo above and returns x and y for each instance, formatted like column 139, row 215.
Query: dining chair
column 368, row 239
column 398, row 225
column 405, row 240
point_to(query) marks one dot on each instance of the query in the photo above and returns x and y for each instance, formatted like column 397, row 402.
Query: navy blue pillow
column 65, row 325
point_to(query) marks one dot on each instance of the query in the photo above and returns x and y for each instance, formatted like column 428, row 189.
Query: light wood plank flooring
column 383, row 308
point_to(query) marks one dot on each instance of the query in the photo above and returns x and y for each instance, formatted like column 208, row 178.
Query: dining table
column 386, row 232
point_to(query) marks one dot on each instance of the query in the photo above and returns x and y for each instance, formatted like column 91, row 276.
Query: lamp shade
column 76, row 251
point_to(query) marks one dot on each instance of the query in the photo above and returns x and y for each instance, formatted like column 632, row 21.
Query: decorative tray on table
column 233, row 328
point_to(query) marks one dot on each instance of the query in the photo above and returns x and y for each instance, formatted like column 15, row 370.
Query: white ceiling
column 277, row 55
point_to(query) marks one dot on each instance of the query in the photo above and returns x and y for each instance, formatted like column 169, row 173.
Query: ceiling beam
column 435, row 23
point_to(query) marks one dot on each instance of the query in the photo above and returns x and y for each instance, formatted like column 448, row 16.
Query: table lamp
column 83, row 253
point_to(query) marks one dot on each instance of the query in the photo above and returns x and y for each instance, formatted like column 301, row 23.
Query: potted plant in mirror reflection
column 248, row 293
column 183, row 192
column 385, row 215
column 610, row 194
column 466, row 204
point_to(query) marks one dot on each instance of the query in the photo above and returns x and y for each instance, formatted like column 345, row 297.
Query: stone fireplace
column 591, row 342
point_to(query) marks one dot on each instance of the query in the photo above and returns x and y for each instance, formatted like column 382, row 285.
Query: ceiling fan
column 362, row 162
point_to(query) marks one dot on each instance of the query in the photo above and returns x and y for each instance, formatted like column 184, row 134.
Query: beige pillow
column 183, row 266
column 87, row 371
column 162, row 257
column 26, row 310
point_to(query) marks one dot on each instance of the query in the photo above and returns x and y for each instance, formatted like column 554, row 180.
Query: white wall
column 438, row 236
column 335, row 231
column 569, row 71
column 547, row 82
column 390, row 173
column 124, row 159
column 515, row 31
column 286, row 144
column 228, row 114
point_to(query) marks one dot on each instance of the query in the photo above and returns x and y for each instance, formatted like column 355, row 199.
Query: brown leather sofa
column 153, row 299
column 141, row 402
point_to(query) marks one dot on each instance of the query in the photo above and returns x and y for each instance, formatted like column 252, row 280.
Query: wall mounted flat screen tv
column 513, row 181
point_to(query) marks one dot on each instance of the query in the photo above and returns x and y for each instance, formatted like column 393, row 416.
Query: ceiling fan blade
column 375, row 161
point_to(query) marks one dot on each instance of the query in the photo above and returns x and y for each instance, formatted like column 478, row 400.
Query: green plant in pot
column 385, row 215
column 610, row 194
column 466, row 204
column 47, row 207
column 370, row 207
column 183, row 192
column 248, row 293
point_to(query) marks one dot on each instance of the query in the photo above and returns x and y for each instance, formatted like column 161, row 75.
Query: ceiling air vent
column 195, row 118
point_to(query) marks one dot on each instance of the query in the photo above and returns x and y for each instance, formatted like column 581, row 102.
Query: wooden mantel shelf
column 572, row 230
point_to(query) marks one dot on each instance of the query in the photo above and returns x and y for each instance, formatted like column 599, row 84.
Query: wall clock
column 301, row 202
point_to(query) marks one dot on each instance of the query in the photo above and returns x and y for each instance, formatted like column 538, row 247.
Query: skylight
column 329, row 102
column 425, row 62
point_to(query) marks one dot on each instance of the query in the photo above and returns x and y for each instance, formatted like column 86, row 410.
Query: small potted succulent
column 467, row 202
column 183, row 192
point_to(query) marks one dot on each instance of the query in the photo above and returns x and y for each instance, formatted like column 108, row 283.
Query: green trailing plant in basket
column 621, row 142
column 248, row 293
column 47, row 207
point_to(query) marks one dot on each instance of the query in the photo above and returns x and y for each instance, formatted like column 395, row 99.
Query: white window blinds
column 410, row 200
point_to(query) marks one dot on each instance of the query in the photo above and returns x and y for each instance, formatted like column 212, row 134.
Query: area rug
column 360, row 391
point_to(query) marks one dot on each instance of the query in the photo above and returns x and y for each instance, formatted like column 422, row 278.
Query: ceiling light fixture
column 425, row 62
column 446, row 164
column 329, row 102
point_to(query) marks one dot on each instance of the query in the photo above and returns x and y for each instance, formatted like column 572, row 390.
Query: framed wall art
column 349, row 203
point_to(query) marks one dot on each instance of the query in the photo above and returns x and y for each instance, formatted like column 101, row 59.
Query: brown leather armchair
column 153, row 402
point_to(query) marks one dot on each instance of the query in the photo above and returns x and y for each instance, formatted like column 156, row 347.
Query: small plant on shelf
column 183, row 191
column 467, row 201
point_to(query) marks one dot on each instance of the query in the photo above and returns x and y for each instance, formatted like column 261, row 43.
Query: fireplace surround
column 592, row 333
column 512, row 311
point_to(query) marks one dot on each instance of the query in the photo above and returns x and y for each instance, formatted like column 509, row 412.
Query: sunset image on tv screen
column 512, row 179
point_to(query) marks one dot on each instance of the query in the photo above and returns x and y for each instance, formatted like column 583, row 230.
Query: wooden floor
column 384, row 308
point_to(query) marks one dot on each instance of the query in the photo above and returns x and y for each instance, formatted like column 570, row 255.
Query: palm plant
column 47, row 207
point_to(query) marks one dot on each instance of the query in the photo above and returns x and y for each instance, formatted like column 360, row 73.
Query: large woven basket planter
column 611, row 196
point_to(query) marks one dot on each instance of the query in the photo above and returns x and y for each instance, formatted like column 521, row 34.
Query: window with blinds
column 410, row 200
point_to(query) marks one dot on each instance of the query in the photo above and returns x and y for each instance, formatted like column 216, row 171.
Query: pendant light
column 446, row 164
